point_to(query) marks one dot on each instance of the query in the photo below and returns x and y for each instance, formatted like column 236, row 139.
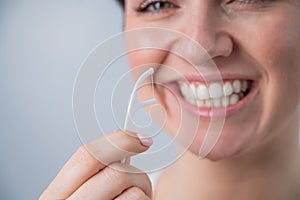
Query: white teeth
column 202, row 92
column 244, row 86
column 217, row 103
column 193, row 101
column 200, row 103
column 184, row 89
column 228, row 89
column 208, row 103
column 237, row 86
column 215, row 90
column 225, row 101
column 187, row 91
column 193, row 90
column 234, row 99
column 216, row 95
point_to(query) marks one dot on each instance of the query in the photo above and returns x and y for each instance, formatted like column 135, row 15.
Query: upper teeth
column 215, row 94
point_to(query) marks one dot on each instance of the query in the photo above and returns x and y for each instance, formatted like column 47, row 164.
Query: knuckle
column 114, row 176
column 83, row 156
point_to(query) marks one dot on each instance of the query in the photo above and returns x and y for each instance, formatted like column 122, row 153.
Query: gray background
column 42, row 44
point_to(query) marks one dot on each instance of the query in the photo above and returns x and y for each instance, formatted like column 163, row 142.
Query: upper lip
column 207, row 78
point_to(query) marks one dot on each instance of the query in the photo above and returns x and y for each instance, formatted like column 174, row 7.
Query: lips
column 215, row 94
column 215, row 98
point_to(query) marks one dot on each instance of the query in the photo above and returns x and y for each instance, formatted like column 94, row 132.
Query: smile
column 214, row 95
column 207, row 100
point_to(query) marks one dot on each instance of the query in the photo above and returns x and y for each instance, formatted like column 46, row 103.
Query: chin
column 222, row 150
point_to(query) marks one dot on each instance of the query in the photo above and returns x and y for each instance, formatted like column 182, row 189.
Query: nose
column 206, row 26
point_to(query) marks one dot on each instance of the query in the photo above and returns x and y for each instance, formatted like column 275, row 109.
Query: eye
column 156, row 6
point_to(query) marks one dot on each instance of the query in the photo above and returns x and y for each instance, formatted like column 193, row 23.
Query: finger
column 133, row 193
column 91, row 158
column 112, row 181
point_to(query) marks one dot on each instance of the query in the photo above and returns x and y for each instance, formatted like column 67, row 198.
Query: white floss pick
column 135, row 104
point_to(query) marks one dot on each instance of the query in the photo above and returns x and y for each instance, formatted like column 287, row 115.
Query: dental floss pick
column 135, row 104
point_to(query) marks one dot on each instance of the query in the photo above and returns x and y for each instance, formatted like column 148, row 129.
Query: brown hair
column 121, row 2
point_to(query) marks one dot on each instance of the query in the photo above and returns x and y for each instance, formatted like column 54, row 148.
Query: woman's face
column 256, row 46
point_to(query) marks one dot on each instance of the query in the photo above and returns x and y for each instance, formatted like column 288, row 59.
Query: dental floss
column 135, row 104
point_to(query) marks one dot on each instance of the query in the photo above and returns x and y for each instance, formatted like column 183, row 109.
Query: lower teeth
column 220, row 102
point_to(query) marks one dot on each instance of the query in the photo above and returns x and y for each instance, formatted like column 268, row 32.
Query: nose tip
column 222, row 46
column 215, row 43
column 199, row 52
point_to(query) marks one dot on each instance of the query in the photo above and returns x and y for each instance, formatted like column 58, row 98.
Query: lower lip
column 209, row 113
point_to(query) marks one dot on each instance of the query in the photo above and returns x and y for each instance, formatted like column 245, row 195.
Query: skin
column 257, row 155
column 255, row 40
column 94, row 171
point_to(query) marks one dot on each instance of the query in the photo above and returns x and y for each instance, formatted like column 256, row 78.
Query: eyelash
column 149, row 6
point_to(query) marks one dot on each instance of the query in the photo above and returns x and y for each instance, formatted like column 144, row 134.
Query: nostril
column 224, row 46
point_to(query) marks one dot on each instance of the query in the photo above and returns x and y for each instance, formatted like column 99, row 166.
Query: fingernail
column 145, row 140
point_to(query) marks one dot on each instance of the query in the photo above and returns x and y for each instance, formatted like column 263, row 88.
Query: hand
column 85, row 177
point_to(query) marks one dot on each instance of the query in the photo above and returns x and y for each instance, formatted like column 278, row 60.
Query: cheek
column 145, row 56
column 279, row 56
column 276, row 49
